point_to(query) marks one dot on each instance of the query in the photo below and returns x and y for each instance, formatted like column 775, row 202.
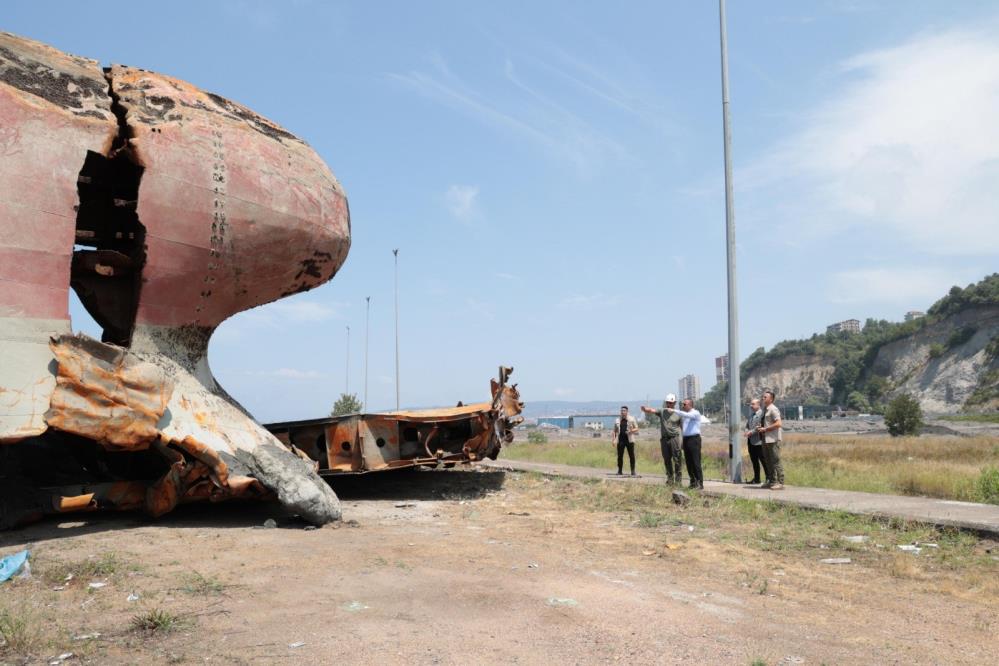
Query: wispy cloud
column 563, row 392
column 511, row 104
column 286, row 373
column 900, row 286
column 908, row 146
column 592, row 301
column 484, row 310
column 462, row 202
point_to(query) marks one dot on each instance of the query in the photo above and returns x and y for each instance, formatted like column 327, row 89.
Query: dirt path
column 459, row 568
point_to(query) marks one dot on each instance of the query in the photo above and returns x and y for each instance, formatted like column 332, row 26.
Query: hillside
column 948, row 360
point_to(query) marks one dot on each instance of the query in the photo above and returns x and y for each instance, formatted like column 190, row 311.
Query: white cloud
column 563, row 392
column 588, row 302
column 462, row 202
column 286, row 311
column 305, row 311
column 910, row 287
column 908, row 147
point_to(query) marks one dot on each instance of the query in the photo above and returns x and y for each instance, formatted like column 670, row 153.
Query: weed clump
column 156, row 620
column 19, row 631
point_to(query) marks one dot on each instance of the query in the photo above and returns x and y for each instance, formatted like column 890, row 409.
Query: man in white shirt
column 691, row 442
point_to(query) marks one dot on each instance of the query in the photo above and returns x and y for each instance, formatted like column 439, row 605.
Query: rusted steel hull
column 167, row 209
column 361, row 443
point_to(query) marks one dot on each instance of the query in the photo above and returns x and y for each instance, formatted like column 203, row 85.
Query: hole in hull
column 109, row 253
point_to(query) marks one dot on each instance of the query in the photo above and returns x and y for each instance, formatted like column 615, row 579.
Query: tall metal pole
column 367, row 320
column 347, row 389
column 395, row 253
column 734, row 398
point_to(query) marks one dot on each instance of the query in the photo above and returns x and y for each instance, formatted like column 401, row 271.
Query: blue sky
column 552, row 175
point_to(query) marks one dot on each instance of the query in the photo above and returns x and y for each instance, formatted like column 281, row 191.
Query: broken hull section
column 362, row 443
column 167, row 209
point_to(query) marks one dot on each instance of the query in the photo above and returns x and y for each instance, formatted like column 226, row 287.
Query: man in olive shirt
column 670, row 442
column 772, row 434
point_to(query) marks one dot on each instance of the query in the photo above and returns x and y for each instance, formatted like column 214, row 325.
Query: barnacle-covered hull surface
column 361, row 443
column 167, row 209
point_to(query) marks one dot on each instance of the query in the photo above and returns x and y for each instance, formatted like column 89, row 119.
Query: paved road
column 981, row 518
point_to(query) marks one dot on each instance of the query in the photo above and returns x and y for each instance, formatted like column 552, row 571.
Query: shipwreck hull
column 167, row 209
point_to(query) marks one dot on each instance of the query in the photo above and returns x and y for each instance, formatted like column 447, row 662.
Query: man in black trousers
column 624, row 435
column 754, row 441
column 691, row 442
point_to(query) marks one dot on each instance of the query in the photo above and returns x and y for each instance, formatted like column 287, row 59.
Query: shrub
column 537, row 437
column 937, row 350
column 960, row 336
column 987, row 486
column 903, row 416
column 857, row 400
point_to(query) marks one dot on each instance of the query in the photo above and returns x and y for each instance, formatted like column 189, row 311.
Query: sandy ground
column 474, row 567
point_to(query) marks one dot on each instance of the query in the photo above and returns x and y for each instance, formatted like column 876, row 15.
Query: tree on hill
column 347, row 403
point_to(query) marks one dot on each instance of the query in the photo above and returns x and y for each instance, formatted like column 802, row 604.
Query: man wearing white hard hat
column 670, row 441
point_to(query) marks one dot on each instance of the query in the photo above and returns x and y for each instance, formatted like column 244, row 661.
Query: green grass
column 973, row 418
column 602, row 454
column 103, row 566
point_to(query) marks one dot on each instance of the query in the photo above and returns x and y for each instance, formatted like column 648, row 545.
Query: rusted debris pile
column 360, row 443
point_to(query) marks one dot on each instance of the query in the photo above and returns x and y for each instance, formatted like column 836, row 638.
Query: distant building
column 690, row 387
column 914, row 314
column 848, row 326
column 604, row 421
column 721, row 369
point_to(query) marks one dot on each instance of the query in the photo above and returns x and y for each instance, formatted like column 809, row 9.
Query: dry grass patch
column 727, row 532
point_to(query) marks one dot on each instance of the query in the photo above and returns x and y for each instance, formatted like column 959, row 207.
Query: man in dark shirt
column 624, row 434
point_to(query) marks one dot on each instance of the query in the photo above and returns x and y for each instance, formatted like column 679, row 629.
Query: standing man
column 624, row 434
column 670, row 442
column 691, row 442
column 754, row 441
column 772, row 433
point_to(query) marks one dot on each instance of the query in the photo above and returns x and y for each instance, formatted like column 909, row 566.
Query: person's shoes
column 753, row 482
column 700, row 486
column 767, row 485
column 619, row 473
column 633, row 472
column 777, row 486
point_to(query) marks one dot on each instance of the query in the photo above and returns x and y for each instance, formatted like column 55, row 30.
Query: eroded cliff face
column 794, row 378
column 942, row 384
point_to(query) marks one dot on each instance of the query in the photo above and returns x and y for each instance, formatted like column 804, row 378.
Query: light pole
column 347, row 389
column 367, row 320
column 734, row 411
column 395, row 253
